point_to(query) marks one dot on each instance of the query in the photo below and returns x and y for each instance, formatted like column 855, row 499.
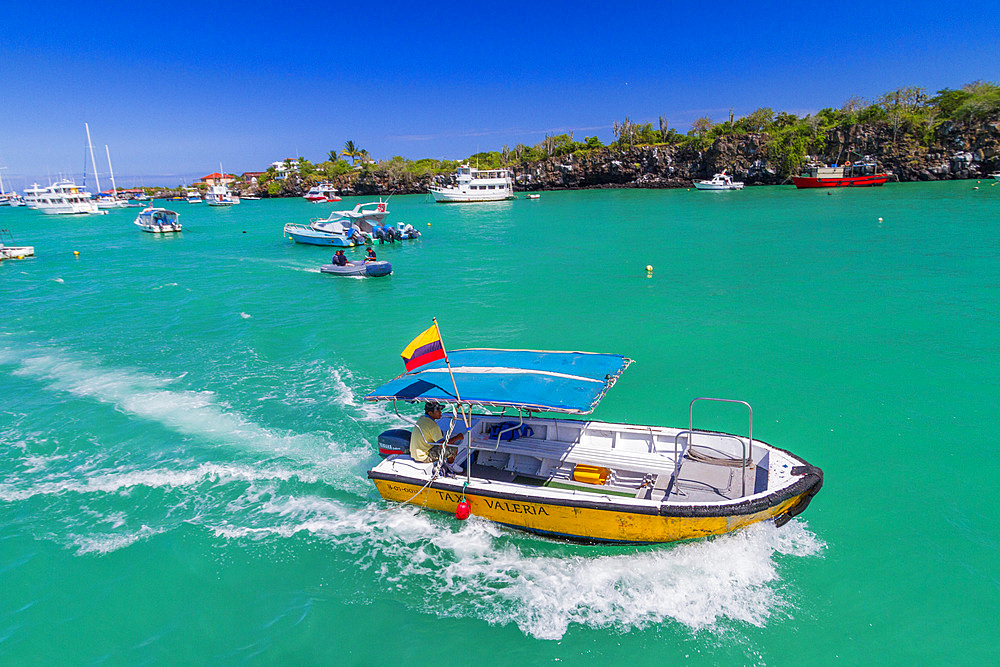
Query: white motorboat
column 365, row 223
column 473, row 185
column 324, row 192
column 721, row 181
column 61, row 198
column 192, row 196
column 158, row 220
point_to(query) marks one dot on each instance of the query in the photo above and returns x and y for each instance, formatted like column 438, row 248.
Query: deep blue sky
column 176, row 88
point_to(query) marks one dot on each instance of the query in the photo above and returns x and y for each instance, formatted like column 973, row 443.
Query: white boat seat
column 658, row 463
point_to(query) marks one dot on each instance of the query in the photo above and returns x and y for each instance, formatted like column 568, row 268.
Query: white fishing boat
column 64, row 197
column 10, row 251
column 219, row 195
column 16, row 252
column 192, row 196
column 474, row 185
column 721, row 181
column 575, row 478
column 158, row 220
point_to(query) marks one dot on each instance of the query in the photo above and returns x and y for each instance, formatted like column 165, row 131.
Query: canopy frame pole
column 458, row 397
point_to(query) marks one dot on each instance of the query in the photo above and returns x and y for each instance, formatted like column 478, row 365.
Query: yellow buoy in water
column 649, row 268
column 76, row 252
column 428, row 224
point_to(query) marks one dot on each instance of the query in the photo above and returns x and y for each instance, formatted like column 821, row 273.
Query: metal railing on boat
column 691, row 431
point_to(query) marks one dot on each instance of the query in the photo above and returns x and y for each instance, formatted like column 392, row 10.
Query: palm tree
column 351, row 151
column 333, row 156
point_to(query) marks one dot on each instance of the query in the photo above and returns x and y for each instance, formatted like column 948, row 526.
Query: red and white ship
column 862, row 173
column 322, row 193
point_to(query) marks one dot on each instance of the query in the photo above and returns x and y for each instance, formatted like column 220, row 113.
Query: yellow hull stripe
column 580, row 522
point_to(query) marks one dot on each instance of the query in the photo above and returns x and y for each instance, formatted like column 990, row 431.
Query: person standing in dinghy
column 426, row 439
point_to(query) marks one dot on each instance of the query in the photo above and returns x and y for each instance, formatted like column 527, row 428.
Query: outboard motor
column 394, row 441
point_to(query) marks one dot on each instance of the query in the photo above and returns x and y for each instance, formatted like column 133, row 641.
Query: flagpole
column 448, row 364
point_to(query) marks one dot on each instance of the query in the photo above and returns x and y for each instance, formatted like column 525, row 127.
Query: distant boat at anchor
column 864, row 172
column 474, row 185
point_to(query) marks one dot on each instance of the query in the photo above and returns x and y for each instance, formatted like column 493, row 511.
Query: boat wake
column 272, row 490
column 505, row 577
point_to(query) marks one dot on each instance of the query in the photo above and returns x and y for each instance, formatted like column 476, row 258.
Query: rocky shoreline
column 956, row 151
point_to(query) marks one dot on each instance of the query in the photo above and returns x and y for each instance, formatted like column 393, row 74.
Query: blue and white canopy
column 570, row 382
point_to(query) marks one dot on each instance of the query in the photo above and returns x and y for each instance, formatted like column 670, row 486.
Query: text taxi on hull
column 583, row 480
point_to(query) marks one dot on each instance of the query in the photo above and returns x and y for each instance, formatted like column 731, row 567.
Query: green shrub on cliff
column 978, row 100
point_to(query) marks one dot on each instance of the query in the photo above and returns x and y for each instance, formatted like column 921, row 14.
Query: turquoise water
column 185, row 445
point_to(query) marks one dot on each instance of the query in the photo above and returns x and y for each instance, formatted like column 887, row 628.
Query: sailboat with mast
column 9, row 198
column 119, row 202
column 103, row 201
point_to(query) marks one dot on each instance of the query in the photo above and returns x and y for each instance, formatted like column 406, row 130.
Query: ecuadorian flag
column 424, row 349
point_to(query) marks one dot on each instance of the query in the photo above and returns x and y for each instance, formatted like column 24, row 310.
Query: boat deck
column 708, row 473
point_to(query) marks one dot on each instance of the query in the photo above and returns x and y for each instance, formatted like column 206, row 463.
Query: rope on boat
column 434, row 475
column 698, row 457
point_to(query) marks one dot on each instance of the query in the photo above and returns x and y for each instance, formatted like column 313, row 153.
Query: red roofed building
column 218, row 179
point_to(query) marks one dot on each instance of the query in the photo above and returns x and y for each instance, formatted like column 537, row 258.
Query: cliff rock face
column 955, row 152
column 952, row 151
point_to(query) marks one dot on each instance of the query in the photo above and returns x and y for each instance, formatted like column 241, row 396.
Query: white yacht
column 192, row 196
column 61, row 198
column 475, row 185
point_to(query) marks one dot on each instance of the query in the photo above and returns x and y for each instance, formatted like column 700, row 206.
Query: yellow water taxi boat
column 573, row 478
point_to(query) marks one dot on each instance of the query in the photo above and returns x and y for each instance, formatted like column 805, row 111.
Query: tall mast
column 1, row 181
column 93, row 162
column 114, row 188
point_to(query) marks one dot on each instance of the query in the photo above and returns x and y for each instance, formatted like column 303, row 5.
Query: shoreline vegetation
column 954, row 134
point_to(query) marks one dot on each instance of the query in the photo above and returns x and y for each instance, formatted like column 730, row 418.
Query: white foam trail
column 479, row 571
column 122, row 479
column 188, row 412
column 102, row 544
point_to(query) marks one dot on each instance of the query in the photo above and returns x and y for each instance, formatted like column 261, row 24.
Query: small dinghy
column 359, row 268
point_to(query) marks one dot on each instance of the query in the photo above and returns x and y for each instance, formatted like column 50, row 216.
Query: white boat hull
column 16, row 252
column 445, row 195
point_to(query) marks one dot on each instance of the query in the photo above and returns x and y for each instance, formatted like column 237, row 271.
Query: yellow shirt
column 425, row 435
